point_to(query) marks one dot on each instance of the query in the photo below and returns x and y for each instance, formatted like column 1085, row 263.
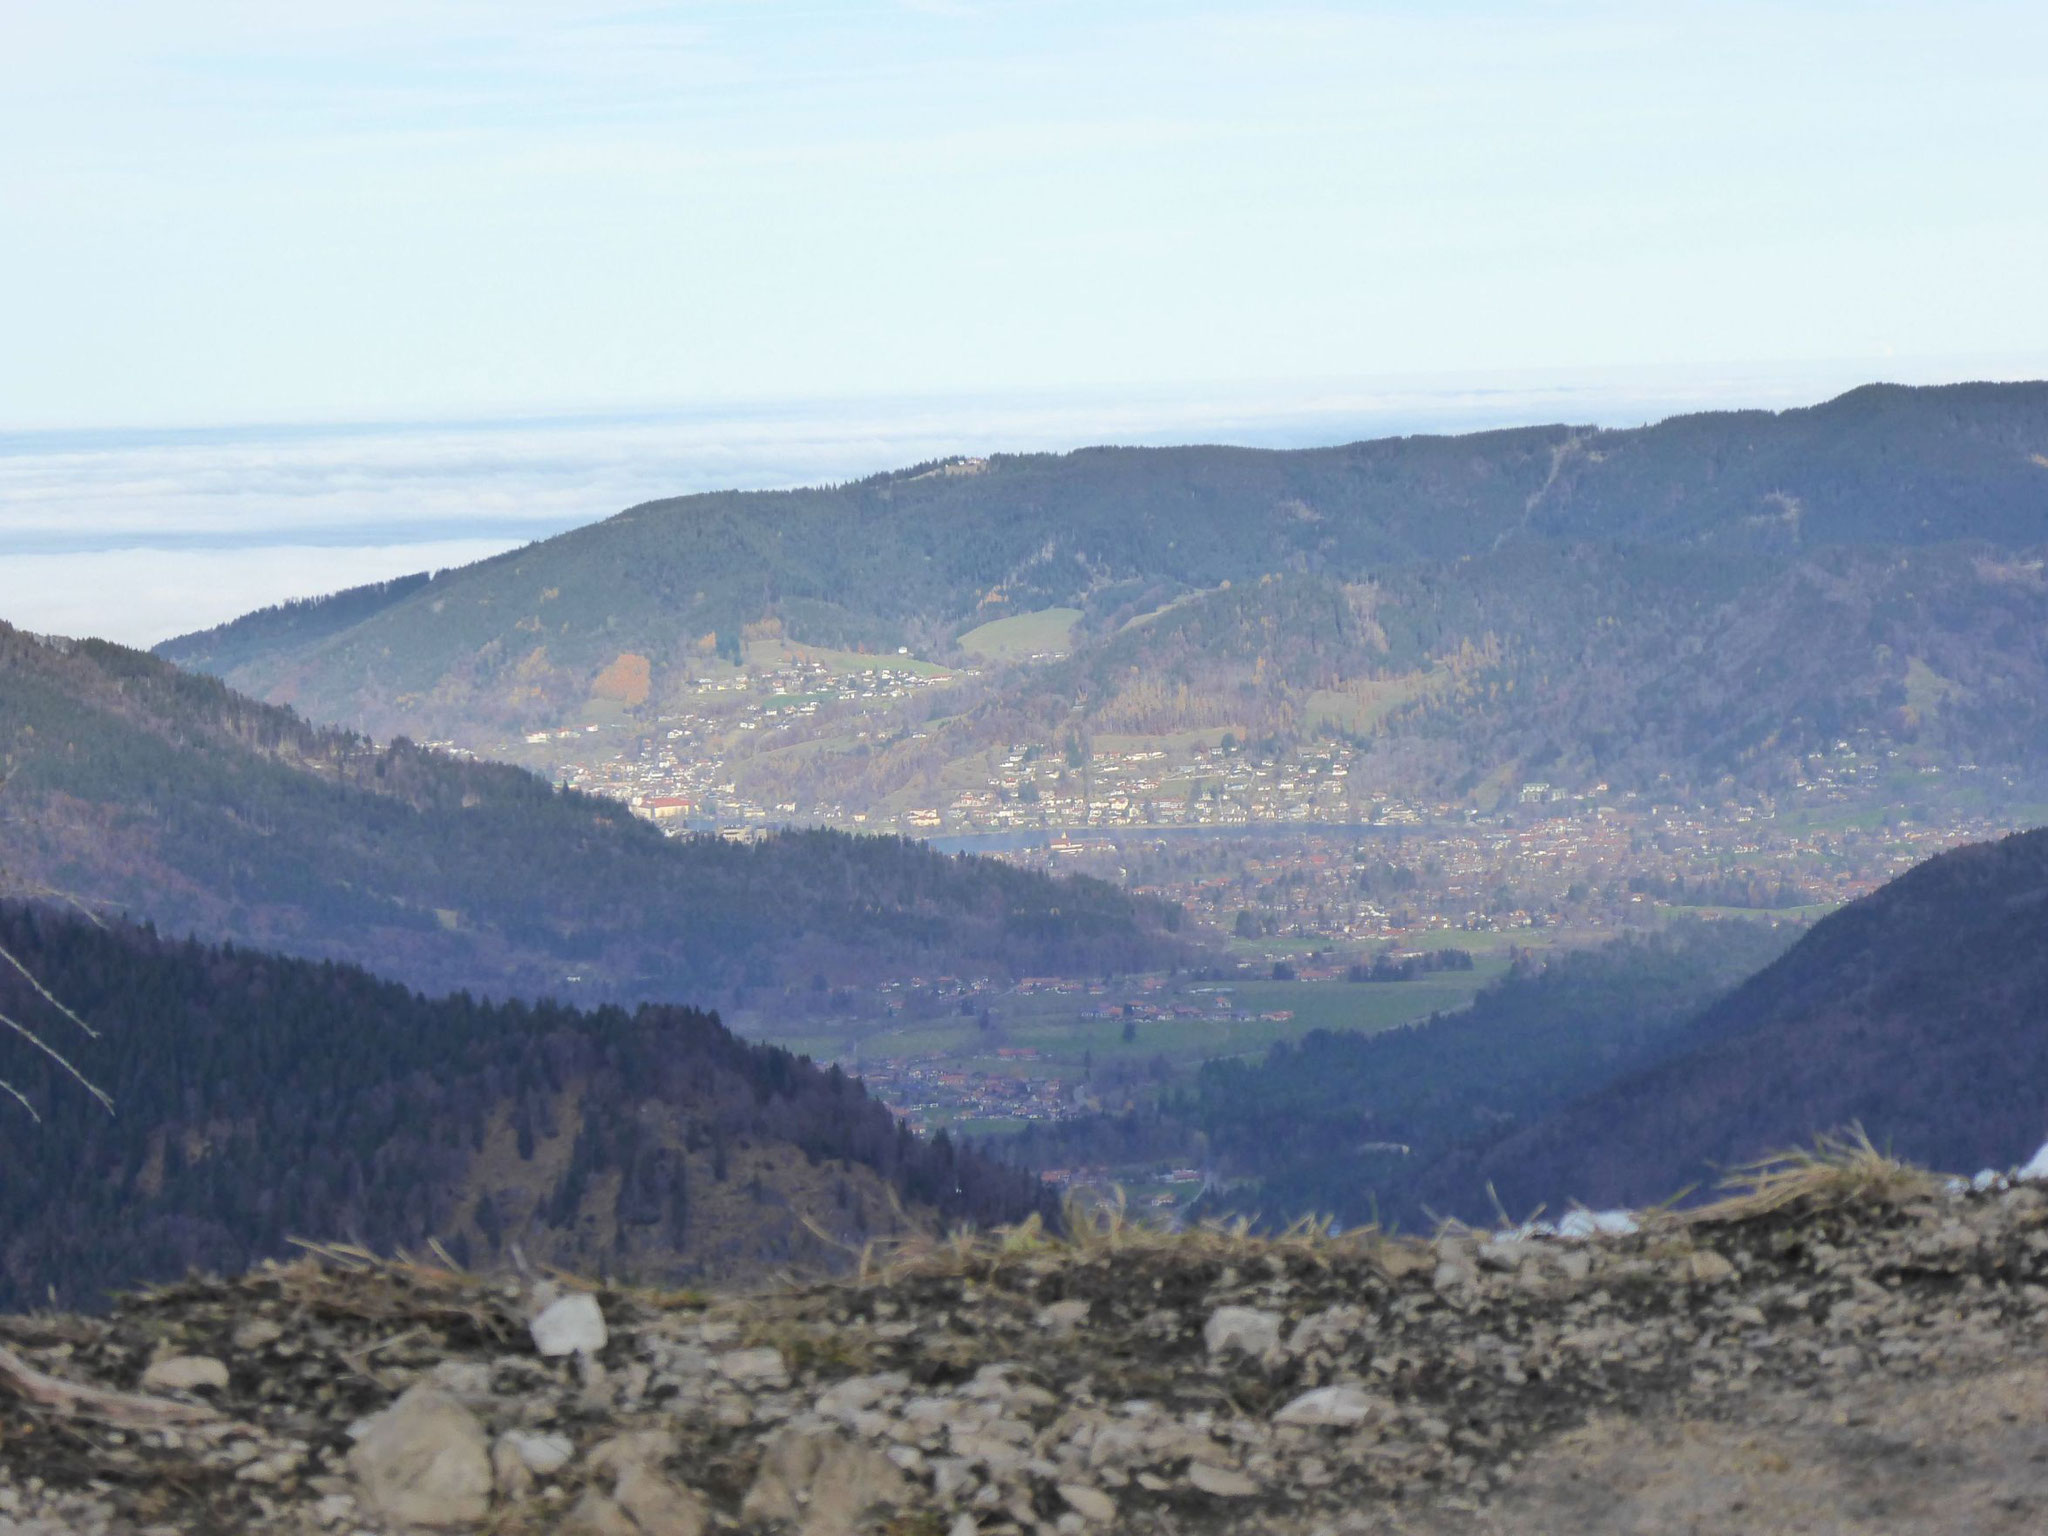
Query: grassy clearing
column 1179, row 602
column 775, row 653
column 1811, row 913
column 1358, row 707
column 1487, row 942
column 1021, row 636
column 1067, row 1045
column 1926, row 689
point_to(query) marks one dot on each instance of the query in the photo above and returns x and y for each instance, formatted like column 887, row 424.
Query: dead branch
column 105, row 1099
column 20, row 1098
column 126, row 1410
column 44, row 992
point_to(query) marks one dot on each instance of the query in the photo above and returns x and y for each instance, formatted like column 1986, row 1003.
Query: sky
column 298, row 295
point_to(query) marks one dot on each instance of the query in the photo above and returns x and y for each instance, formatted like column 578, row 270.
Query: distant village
column 1288, row 860
column 1291, row 863
column 1289, row 849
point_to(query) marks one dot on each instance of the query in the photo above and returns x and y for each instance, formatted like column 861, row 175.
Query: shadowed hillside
column 1920, row 1011
column 135, row 787
column 1363, row 1127
column 1624, row 1075
column 258, row 1099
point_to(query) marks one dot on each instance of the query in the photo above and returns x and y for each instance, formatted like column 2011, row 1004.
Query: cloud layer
column 141, row 596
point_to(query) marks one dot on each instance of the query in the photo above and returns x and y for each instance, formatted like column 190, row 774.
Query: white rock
column 185, row 1373
column 951, row 1475
column 1246, row 1329
column 821, row 1482
column 652, row 1503
column 1503, row 1254
column 1331, row 1408
column 1988, row 1179
column 595, row 1515
column 572, row 1325
column 844, row 1399
column 1115, row 1443
column 635, row 1448
column 274, row 1468
column 991, row 1383
column 1000, row 1453
column 256, row 1333
column 1063, row 1317
column 658, row 1505
column 1221, row 1482
column 510, row 1476
column 2036, row 1167
column 541, row 1454
column 1091, row 1504
column 423, row 1461
column 1330, row 1329
column 1707, row 1267
column 467, row 1380
column 762, row 1367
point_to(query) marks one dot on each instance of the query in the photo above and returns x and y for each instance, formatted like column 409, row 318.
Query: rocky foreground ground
column 1855, row 1348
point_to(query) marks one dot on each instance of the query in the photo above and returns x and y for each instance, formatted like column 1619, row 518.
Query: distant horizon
column 1437, row 396
column 330, row 213
column 299, row 297
column 139, row 535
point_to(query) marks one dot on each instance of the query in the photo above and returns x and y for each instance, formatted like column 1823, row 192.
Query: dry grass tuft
column 1841, row 1168
column 342, row 1280
column 1101, row 1229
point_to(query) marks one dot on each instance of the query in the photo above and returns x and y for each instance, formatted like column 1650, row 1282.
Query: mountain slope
column 1498, row 602
column 259, row 1098
column 135, row 787
column 1921, row 1011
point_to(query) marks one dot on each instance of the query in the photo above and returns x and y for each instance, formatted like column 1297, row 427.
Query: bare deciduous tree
column 10, row 886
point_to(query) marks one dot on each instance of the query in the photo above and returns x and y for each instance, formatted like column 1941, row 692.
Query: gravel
column 1201, row 1384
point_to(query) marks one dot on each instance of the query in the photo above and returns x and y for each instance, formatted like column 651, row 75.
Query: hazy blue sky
column 560, row 256
column 235, row 210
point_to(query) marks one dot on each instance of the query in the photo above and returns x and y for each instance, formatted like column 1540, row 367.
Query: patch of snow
column 2036, row 1167
column 1580, row 1225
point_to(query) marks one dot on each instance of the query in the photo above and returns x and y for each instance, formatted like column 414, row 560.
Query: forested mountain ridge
column 1750, row 583
column 1920, row 1010
column 259, row 1098
column 131, row 786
